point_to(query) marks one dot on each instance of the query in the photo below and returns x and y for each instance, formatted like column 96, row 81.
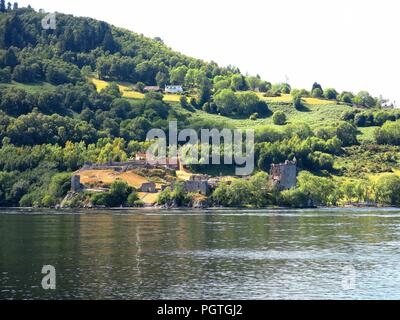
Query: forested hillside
column 78, row 94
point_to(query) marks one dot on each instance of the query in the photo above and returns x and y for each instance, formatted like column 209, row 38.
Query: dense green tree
column 294, row 198
column 363, row 98
column 330, row 94
column 133, row 199
column 253, row 82
column 60, row 184
column 238, row 82
column 347, row 133
column 5, row 75
column 10, row 58
column 346, row 97
column 320, row 190
column 279, row 118
column 316, row 85
column 264, row 86
column 317, row 93
column 297, row 102
column 348, row 115
column 249, row 103
column 2, row 6
column 285, row 88
column 388, row 134
column 226, row 102
column 205, row 88
column 162, row 79
column 177, row 75
column 387, row 189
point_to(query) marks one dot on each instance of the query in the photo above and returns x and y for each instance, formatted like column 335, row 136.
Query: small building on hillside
column 284, row 175
column 149, row 187
column 151, row 89
column 140, row 156
column 173, row 89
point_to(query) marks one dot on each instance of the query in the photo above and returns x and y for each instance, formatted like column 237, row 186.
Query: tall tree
column 10, row 58
column 316, row 85
column 108, row 41
column 2, row 6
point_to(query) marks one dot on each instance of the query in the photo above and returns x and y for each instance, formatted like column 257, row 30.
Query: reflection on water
column 224, row 254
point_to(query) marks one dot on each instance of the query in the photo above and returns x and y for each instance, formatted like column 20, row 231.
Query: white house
column 173, row 89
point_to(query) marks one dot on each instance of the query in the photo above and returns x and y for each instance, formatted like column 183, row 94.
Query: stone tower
column 283, row 175
column 76, row 183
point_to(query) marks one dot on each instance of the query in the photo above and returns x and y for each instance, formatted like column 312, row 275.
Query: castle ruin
column 283, row 175
column 76, row 185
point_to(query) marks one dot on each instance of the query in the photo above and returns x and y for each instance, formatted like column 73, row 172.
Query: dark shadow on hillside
column 303, row 108
column 263, row 115
column 325, row 173
column 189, row 108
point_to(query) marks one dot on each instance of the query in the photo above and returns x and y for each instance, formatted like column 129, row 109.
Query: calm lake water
column 221, row 254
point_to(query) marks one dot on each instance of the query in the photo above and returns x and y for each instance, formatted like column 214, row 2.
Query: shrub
column 164, row 197
column 117, row 196
column 294, row 198
column 346, row 97
column 60, row 184
column 317, row 93
column 5, row 75
column 320, row 190
column 48, row 201
column 330, row 94
column 388, row 134
column 347, row 133
column 297, row 102
column 387, row 189
column 279, row 118
column 348, row 115
column 381, row 117
column 140, row 86
column 132, row 199
column 139, row 203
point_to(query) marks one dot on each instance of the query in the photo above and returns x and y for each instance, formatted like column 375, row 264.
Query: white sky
column 345, row 44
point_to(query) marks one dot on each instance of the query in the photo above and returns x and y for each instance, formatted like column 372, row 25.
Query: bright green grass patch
column 366, row 134
column 315, row 116
column 31, row 87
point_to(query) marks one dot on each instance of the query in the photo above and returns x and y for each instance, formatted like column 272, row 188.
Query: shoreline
column 157, row 208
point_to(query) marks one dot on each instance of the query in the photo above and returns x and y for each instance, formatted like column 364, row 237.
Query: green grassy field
column 366, row 135
column 32, row 88
column 315, row 116
column 316, row 112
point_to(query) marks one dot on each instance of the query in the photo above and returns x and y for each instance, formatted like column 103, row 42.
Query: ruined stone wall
column 76, row 183
column 288, row 176
column 284, row 175
column 197, row 186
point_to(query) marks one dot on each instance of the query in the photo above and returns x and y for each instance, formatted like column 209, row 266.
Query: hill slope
column 76, row 94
